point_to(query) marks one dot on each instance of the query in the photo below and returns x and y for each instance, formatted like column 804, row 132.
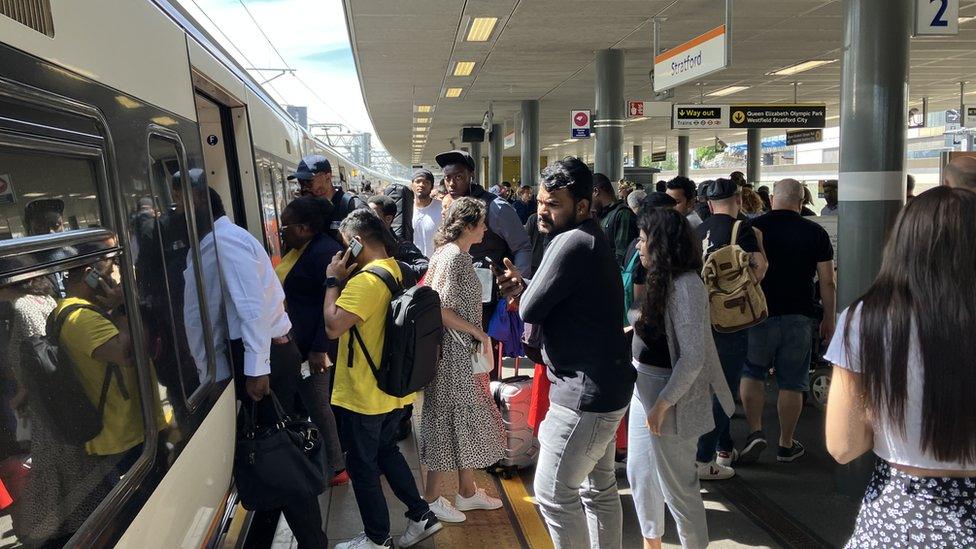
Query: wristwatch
column 330, row 282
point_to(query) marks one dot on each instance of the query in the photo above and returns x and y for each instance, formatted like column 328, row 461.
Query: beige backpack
column 734, row 296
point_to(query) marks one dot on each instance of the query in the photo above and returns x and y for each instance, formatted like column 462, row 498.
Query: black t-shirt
column 793, row 246
column 653, row 353
column 716, row 232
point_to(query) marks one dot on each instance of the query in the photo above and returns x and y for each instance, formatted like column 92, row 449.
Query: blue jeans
column 575, row 474
column 732, row 349
column 371, row 449
column 784, row 343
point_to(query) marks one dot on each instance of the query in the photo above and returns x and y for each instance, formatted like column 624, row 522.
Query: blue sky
column 311, row 35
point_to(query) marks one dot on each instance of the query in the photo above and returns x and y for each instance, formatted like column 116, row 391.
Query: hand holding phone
column 355, row 247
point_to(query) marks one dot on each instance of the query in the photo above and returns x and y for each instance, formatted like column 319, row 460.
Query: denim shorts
column 784, row 343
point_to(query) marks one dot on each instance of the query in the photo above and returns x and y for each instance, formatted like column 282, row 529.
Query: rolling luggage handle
column 500, row 360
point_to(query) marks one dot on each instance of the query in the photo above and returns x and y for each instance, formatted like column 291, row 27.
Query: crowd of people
column 638, row 360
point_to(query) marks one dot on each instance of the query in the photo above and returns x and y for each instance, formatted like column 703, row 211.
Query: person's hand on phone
column 339, row 267
column 509, row 280
column 110, row 295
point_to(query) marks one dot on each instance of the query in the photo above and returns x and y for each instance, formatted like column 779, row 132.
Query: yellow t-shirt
column 367, row 297
column 84, row 331
column 288, row 262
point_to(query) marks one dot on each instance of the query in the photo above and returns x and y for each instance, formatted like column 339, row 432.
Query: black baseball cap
column 311, row 165
column 721, row 189
column 445, row 159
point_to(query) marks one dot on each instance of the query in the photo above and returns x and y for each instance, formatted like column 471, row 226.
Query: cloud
column 338, row 58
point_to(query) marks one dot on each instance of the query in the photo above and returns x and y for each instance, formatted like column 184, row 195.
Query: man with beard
column 314, row 175
column 576, row 299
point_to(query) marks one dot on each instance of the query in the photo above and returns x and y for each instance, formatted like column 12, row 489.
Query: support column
column 609, row 124
column 753, row 155
column 874, row 95
column 684, row 157
column 530, row 143
column 496, row 152
column 871, row 187
column 479, row 170
column 638, row 155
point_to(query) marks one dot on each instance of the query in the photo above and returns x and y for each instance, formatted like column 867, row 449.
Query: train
column 102, row 105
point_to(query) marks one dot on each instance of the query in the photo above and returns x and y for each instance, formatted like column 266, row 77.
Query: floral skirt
column 901, row 510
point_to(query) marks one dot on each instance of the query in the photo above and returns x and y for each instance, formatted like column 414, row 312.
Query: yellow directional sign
column 738, row 117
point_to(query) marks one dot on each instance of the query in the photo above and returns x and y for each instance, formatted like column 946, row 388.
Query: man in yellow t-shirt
column 369, row 417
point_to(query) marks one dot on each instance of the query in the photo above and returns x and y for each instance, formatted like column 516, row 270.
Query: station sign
column 936, row 17
column 700, row 117
column 970, row 119
column 692, row 60
column 635, row 109
column 580, row 124
column 660, row 156
column 778, row 116
column 510, row 139
column 801, row 137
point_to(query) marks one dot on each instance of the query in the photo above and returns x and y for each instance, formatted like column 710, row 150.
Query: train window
column 69, row 434
column 44, row 192
column 159, row 230
column 269, row 213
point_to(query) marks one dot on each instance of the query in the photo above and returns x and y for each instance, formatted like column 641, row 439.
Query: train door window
column 160, row 232
column 73, row 437
column 217, row 135
column 43, row 190
column 269, row 214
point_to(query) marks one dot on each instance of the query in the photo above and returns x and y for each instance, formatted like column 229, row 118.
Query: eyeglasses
column 281, row 229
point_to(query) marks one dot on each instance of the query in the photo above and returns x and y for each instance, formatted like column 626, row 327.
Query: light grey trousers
column 575, row 484
column 662, row 470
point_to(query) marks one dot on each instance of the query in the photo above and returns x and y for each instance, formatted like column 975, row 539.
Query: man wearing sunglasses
column 314, row 175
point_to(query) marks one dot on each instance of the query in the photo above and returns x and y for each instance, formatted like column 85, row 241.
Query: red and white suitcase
column 513, row 395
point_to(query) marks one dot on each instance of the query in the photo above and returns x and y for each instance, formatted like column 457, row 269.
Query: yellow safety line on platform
column 523, row 505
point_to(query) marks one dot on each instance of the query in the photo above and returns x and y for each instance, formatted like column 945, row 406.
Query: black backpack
column 53, row 382
column 402, row 196
column 412, row 345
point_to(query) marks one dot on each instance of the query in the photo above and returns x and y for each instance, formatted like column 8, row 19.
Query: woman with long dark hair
column 904, row 380
column 306, row 232
column 678, row 373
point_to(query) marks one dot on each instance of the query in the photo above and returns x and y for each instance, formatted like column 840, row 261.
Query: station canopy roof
column 407, row 54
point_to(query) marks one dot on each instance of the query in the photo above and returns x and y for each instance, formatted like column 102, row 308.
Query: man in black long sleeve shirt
column 576, row 298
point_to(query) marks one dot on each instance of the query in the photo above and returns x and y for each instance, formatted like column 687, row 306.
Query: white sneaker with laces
column 421, row 530
column 714, row 471
column 445, row 512
column 362, row 541
column 726, row 459
column 479, row 501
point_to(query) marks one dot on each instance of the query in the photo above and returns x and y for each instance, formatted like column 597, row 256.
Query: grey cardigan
column 696, row 373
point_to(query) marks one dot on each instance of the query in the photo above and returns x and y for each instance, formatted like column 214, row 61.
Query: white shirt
column 426, row 221
column 889, row 444
column 254, row 302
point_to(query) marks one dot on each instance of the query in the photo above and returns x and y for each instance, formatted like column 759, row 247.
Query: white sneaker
column 714, row 471
column 421, row 530
column 445, row 512
column 363, row 542
column 726, row 459
column 479, row 501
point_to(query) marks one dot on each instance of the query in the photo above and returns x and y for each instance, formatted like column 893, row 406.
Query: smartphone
column 92, row 279
column 355, row 247
column 492, row 266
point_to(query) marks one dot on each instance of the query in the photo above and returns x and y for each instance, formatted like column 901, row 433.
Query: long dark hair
column 926, row 289
column 673, row 250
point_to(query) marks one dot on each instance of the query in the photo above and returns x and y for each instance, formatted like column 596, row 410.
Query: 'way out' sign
column 691, row 60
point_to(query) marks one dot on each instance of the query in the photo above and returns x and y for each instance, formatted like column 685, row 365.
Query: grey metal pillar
column 609, row 124
column 638, row 155
column 684, row 157
column 530, row 143
column 753, row 155
column 496, row 152
column 479, row 171
column 871, row 188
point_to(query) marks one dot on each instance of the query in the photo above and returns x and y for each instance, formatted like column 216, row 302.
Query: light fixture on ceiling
column 463, row 68
column 481, row 28
column 570, row 140
column 966, row 18
column 423, row 108
column 453, row 92
column 801, row 67
column 638, row 119
column 729, row 90
column 421, row 120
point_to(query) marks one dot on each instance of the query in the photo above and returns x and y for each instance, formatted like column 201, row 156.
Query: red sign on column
column 635, row 109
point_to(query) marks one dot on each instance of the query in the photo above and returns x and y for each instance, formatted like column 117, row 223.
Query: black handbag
column 278, row 464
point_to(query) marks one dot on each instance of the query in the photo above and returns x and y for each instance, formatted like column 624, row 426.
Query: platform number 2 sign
column 936, row 17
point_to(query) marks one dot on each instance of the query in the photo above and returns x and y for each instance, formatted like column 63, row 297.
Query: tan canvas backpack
column 734, row 296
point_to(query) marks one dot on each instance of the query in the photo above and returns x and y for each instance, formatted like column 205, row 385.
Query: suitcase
column 513, row 396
